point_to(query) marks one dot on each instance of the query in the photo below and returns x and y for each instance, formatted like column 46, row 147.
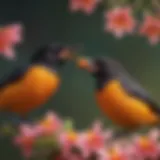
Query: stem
column 137, row 5
column 7, row 130
column 156, row 5
column 113, row 3
column 105, row 2
column 148, row 5
column 110, row 3
column 123, row 2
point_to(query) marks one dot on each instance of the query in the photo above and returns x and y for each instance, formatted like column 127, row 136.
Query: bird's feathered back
column 111, row 67
column 129, row 83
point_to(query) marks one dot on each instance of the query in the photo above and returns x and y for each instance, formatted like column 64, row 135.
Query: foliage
column 53, row 138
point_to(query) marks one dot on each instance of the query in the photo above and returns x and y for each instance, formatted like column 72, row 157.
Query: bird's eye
column 65, row 54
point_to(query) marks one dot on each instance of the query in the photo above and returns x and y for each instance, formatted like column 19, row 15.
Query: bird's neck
column 102, row 81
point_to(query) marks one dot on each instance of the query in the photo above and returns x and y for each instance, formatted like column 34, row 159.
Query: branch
column 137, row 4
column 156, row 5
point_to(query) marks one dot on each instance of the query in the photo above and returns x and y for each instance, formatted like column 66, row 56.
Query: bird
column 30, row 86
column 119, row 95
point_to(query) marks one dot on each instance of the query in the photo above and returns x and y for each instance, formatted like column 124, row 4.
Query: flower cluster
column 51, row 137
column 119, row 19
column 10, row 36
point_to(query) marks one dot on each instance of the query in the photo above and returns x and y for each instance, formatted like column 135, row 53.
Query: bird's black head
column 99, row 67
column 103, row 69
column 52, row 55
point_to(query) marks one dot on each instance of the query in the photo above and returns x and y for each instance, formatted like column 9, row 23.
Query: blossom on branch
column 81, row 145
column 119, row 21
column 10, row 35
column 150, row 28
column 86, row 6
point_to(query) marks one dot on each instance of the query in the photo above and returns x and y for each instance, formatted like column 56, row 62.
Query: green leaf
column 45, row 147
column 68, row 125
column 7, row 130
column 45, row 140
column 46, row 143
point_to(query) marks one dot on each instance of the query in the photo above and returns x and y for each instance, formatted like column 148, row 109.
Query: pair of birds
column 119, row 97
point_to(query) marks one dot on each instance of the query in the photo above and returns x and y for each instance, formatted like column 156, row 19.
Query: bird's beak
column 66, row 54
column 86, row 64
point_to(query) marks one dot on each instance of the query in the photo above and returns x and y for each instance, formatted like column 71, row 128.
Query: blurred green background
column 48, row 21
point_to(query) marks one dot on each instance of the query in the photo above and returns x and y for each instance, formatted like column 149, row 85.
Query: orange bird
column 119, row 96
column 29, row 87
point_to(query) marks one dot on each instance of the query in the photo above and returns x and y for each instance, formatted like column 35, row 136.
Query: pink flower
column 25, row 139
column 147, row 146
column 113, row 153
column 93, row 140
column 119, row 21
column 151, row 28
column 127, row 149
column 67, row 140
column 28, row 133
column 50, row 124
column 86, row 6
column 10, row 35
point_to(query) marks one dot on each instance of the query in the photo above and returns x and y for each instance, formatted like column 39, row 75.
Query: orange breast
column 36, row 87
column 123, row 109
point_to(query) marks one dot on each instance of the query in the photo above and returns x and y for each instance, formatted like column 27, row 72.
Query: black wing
column 15, row 75
column 136, row 90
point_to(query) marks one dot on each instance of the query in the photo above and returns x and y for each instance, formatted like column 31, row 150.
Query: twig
column 156, row 4
column 123, row 2
column 137, row 5
column 110, row 3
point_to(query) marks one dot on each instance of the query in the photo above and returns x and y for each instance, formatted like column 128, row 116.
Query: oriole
column 119, row 96
column 29, row 87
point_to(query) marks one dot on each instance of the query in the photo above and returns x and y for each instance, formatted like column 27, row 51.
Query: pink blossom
column 119, row 21
column 26, row 139
column 114, row 152
column 86, row 6
column 28, row 133
column 10, row 35
column 67, row 140
column 92, row 140
column 127, row 149
column 50, row 124
column 147, row 146
column 150, row 28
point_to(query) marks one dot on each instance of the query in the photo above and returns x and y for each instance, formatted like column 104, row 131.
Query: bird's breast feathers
column 37, row 85
column 41, row 81
column 123, row 108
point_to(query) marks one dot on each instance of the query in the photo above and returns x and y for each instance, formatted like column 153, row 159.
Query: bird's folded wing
column 15, row 75
column 136, row 90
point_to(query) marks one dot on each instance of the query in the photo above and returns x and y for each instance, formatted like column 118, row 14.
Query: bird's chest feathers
column 39, row 82
column 37, row 86
column 114, row 102
column 121, row 107
column 112, row 93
